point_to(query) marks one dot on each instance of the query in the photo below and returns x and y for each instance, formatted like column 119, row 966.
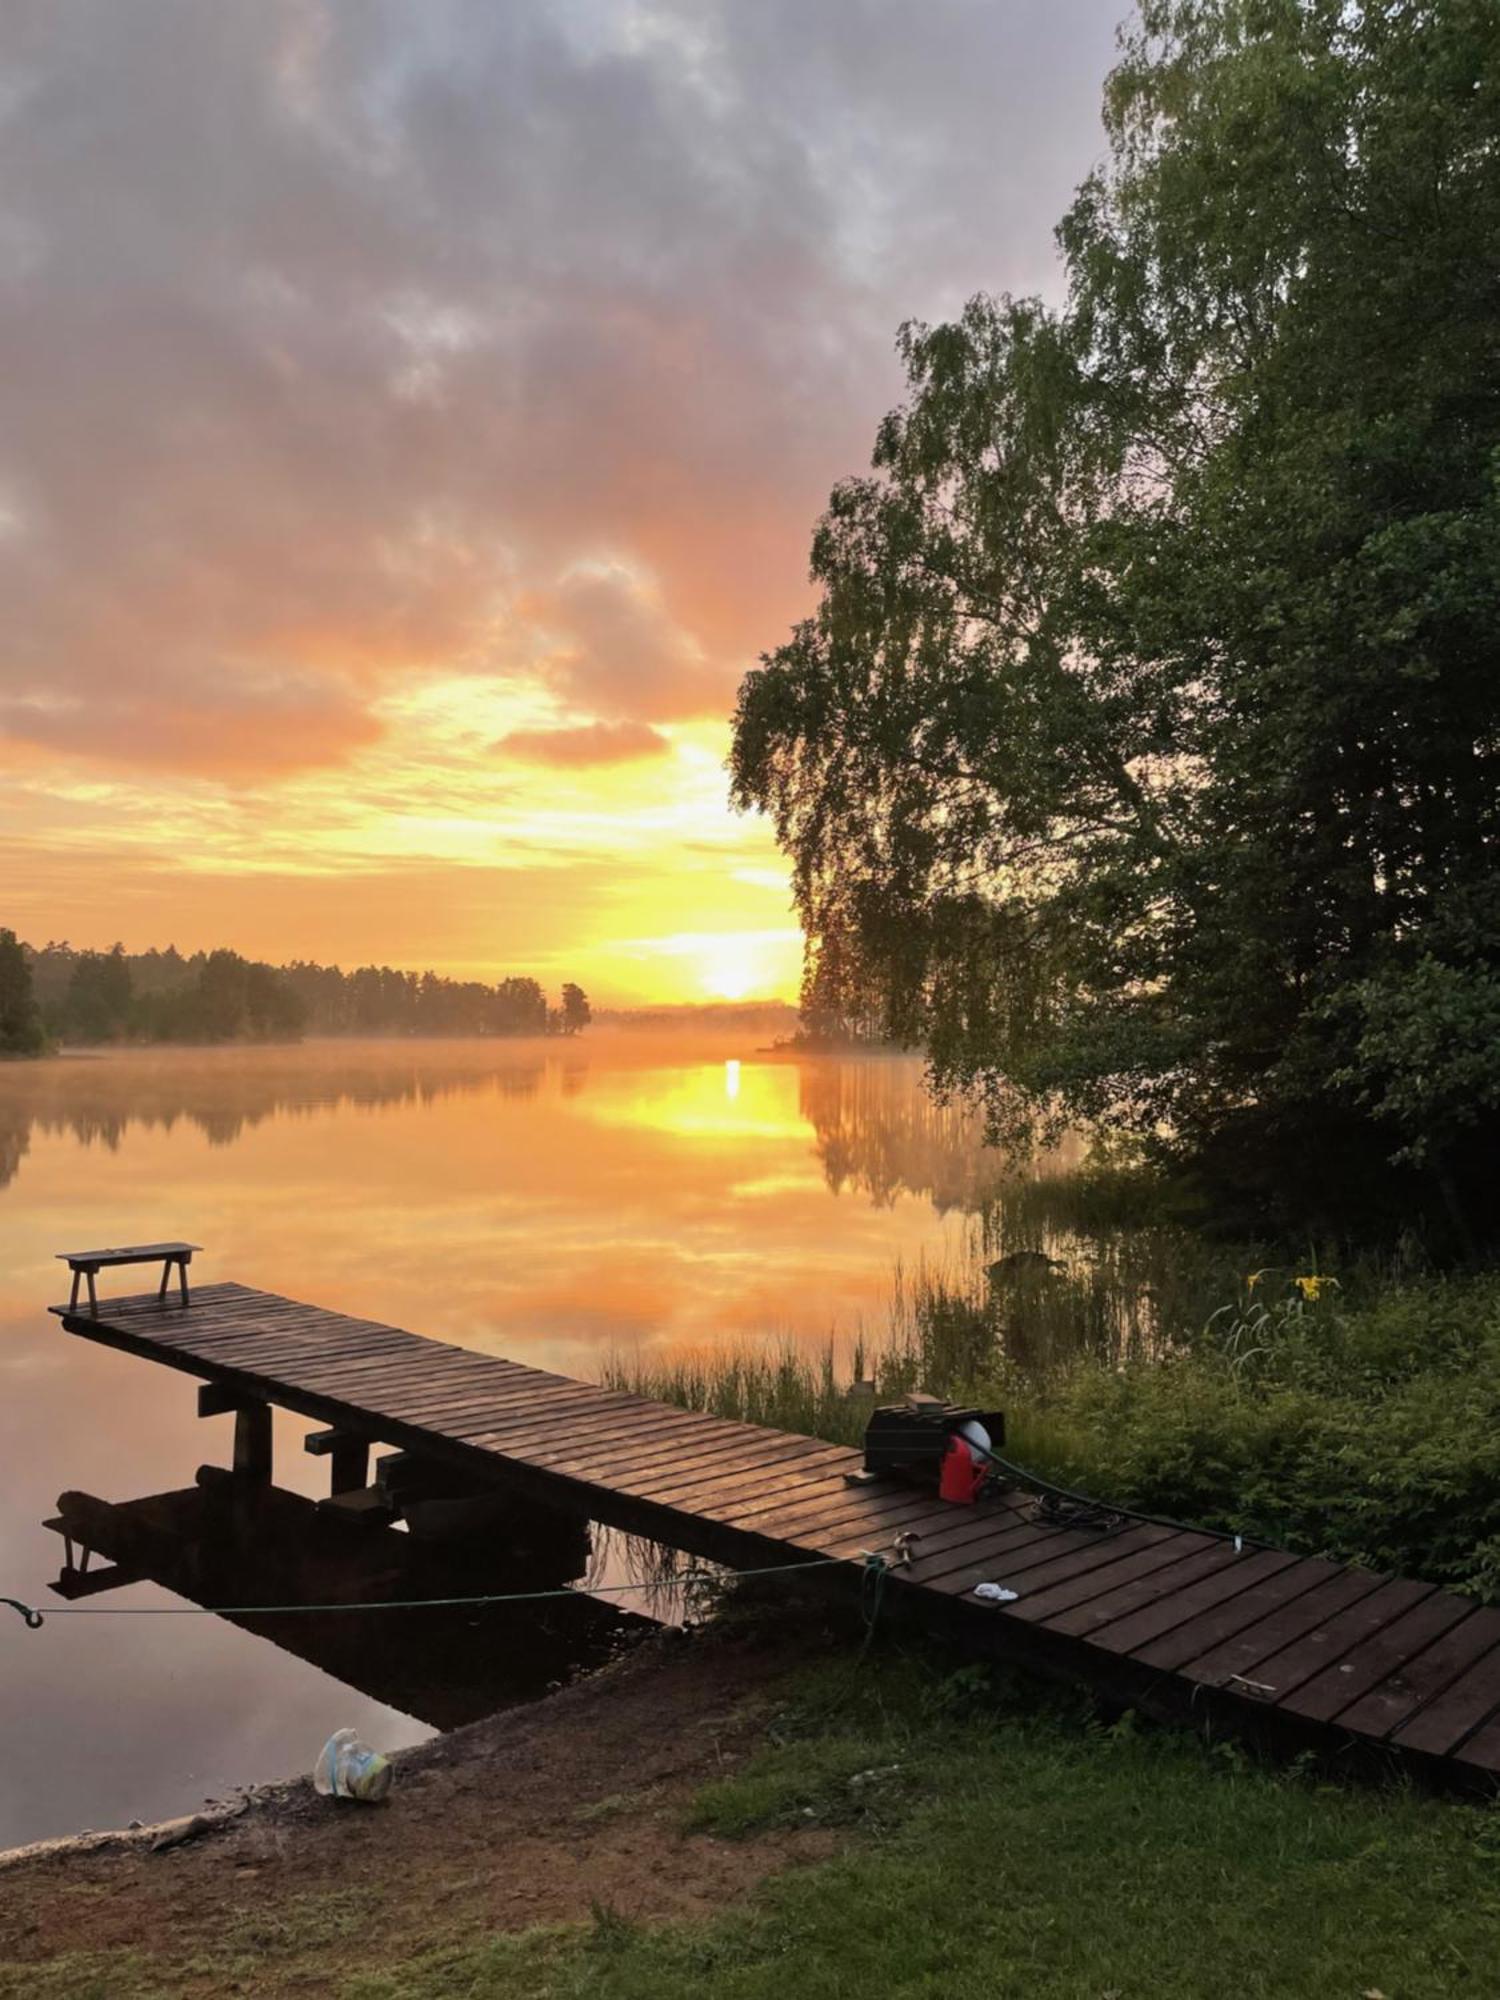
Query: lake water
column 554, row 1202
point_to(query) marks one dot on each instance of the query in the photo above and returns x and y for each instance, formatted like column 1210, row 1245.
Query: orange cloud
column 386, row 385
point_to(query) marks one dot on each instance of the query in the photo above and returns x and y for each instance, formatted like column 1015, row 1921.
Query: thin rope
column 689, row 1579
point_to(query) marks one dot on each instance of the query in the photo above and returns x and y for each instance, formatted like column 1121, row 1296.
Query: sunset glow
column 417, row 420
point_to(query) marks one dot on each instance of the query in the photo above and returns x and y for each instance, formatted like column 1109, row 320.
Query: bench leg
column 73, row 1295
column 93, row 1295
column 161, row 1290
column 182, row 1264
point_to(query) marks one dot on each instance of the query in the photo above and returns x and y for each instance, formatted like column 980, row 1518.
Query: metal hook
column 33, row 1617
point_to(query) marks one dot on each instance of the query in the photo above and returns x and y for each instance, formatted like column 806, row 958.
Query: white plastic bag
column 349, row 1769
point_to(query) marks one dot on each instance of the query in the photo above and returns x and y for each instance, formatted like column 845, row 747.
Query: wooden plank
column 997, row 1563
column 371, row 1362
column 806, row 1519
column 1041, row 1605
column 637, row 1421
column 731, row 1478
column 971, row 1527
column 440, row 1379
column 284, row 1365
column 1441, row 1725
column 1151, row 1621
column 1481, row 1752
column 998, row 1545
column 814, row 1524
column 1401, row 1696
column 479, row 1412
column 1004, row 1544
column 1036, row 1571
column 1240, row 1655
column 550, row 1436
column 1299, row 1659
column 692, row 1488
column 1079, row 1620
column 788, row 1478
column 262, row 1348
column 538, row 1422
column 965, row 1522
column 1266, row 1596
column 1339, row 1684
column 518, row 1418
column 687, row 1462
column 960, row 1569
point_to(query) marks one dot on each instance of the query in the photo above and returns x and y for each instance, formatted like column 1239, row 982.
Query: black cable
column 1088, row 1504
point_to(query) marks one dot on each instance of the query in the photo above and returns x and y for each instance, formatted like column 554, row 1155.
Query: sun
column 729, row 968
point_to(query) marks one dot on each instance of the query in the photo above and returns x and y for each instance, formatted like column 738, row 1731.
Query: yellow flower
column 1314, row 1287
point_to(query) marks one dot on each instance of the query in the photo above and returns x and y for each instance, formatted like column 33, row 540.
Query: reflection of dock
column 225, row 1543
column 1166, row 1618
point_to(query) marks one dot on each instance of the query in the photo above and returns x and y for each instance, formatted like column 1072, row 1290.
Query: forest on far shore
column 57, row 994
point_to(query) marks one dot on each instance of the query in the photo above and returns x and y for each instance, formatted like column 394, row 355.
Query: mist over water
column 555, row 1202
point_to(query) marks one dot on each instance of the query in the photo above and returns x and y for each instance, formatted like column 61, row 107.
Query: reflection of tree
column 15, row 1137
column 880, row 1131
column 222, row 1093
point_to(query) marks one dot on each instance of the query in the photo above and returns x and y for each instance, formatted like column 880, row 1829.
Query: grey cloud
column 344, row 342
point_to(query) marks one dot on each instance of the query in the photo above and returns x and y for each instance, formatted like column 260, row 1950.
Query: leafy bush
column 1369, row 1434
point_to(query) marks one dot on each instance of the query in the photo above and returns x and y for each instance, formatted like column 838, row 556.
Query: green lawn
column 1010, row 1847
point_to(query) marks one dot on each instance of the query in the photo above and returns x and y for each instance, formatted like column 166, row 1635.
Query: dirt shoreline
column 543, row 1814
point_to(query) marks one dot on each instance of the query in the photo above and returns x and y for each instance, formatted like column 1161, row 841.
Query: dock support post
column 349, row 1455
column 252, row 1442
column 350, row 1465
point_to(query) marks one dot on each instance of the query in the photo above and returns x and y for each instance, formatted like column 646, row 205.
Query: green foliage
column 100, row 990
column 1140, row 757
column 20, row 1023
column 1369, row 1435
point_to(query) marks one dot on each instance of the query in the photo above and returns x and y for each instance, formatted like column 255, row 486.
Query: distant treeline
column 58, row 994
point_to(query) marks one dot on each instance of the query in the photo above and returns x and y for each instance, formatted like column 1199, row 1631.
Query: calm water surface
column 549, row 1202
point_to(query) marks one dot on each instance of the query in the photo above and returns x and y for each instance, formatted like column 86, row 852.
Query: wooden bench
column 89, row 1263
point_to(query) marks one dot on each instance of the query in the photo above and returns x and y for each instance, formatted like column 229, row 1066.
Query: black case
column 907, row 1440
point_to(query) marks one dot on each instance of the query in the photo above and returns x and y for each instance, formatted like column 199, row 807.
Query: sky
column 413, row 421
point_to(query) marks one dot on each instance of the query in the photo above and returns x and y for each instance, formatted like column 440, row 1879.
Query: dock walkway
column 1171, row 1619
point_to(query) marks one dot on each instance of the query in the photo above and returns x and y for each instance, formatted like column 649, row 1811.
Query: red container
column 962, row 1475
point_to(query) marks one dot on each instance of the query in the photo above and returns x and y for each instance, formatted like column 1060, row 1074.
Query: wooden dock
column 1175, row 1621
